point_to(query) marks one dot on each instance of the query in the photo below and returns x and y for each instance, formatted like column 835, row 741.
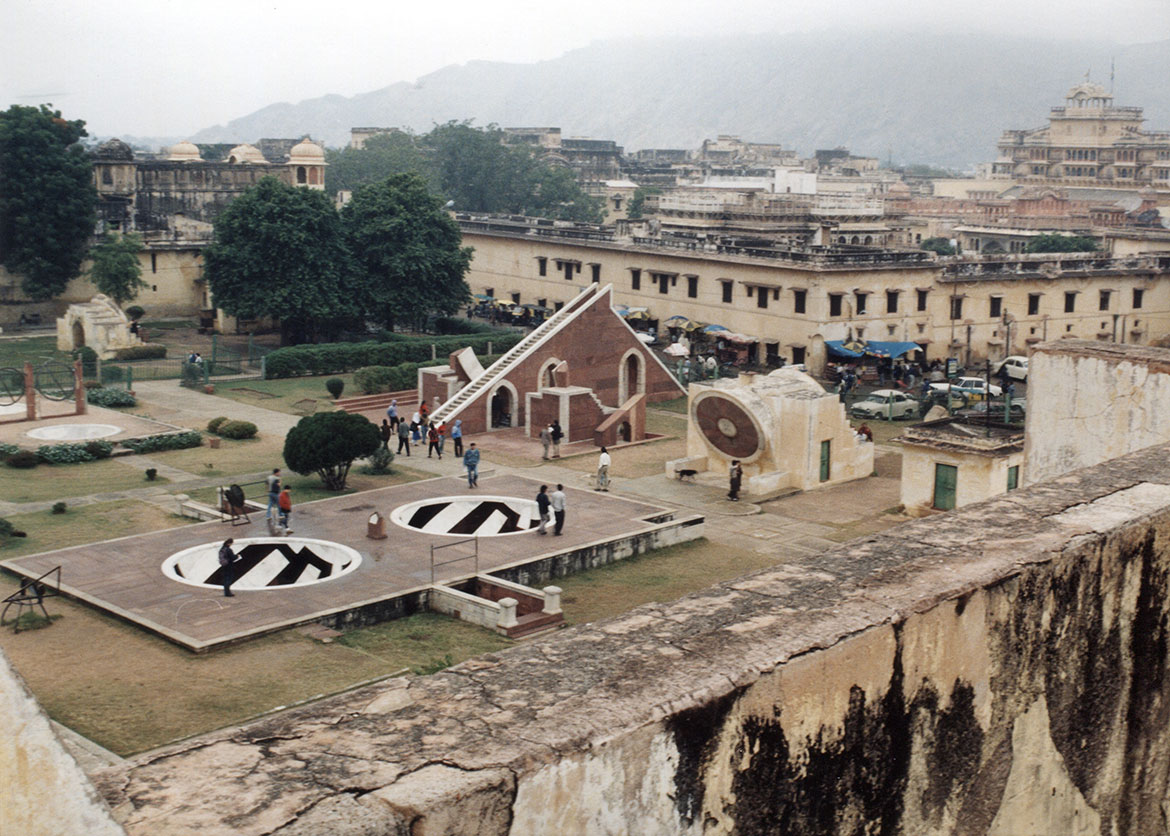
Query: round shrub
column 7, row 529
column 153, row 351
column 25, row 459
column 88, row 358
column 238, row 429
column 378, row 462
column 110, row 397
column 60, row 507
column 327, row 443
column 99, row 449
column 135, row 312
column 215, row 423
column 113, row 374
column 336, row 386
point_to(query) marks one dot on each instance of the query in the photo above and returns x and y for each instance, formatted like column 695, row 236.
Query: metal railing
column 473, row 556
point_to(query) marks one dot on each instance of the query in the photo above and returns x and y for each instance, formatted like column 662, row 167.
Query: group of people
column 550, row 438
column 551, row 502
column 420, row 427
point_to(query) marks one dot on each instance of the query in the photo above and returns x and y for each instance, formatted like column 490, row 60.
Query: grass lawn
column 250, row 455
column 678, row 405
column 30, row 349
column 86, row 524
column 662, row 575
column 309, row 488
column 283, row 395
column 116, row 684
column 59, row 481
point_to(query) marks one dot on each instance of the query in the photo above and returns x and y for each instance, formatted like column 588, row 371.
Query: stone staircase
column 366, row 403
column 498, row 369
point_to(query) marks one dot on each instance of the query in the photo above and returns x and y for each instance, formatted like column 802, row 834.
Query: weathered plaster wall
column 999, row 670
column 1089, row 402
column 43, row 791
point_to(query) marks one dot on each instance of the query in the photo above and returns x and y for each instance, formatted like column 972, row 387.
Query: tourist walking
column 557, row 435
column 471, row 462
column 285, row 505
column 403, row 438
column 736, row 478
column 387, row 431
column 415, row 429
column 542, row 505
column 457, row 437
column 545, row 441
column 392, row 413
column 423, row 411
column 603, row 462
column 557, row 501
column 227, row 573
column 442, row 437
column 433, row 441
column 273, row 483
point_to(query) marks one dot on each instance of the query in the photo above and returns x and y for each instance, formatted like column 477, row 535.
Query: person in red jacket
column 284, row 503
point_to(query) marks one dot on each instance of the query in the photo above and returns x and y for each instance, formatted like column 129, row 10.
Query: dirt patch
column 253, row 393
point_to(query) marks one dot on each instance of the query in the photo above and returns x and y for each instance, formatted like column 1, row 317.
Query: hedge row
column 173, row 441
column 75, row 453
column 373, row 380
column 153, row 351
column 337, row 358
column 110, row 397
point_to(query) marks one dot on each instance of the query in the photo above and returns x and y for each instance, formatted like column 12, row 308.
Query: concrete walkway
column 177, row 404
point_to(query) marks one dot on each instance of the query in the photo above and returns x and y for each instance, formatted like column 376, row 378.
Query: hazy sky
column 168, row 68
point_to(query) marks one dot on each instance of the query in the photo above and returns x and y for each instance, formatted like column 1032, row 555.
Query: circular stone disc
column 727, row 426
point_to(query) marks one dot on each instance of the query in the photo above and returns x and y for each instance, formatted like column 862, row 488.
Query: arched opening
column 631, row 376
column 856, row 240
column 78, row 334
column 301, row 176
column 624, row 432
column 503, row 408
column 545, row 378
column 869, row 239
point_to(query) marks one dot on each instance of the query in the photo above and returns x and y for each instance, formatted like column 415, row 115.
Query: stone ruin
column 99, row 324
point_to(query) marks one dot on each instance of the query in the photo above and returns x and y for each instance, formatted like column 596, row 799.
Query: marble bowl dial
column 728, row 426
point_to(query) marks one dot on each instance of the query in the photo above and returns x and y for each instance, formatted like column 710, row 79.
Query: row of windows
column 762, row 294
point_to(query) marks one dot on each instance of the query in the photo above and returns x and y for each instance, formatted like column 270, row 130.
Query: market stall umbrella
column 677, row 321
column 637, row 315
column 692, row 326
column 711, row 329
column 483, row 297
column 675, row 350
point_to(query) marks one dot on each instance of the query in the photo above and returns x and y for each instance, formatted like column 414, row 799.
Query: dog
column 686, row 474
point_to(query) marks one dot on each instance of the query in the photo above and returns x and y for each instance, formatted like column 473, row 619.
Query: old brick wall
column 998, row 670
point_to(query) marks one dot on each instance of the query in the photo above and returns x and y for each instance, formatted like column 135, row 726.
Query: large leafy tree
column 1054, row 242
column 116, row 270
column 381, row 156
column 279, row 251
column 327, row 444
column 408, row 252
column 47, row 198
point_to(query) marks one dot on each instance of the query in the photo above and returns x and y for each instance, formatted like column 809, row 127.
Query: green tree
column 327, row 444
column 409, row 258
column 381, row 156
column 47, row 198
column 279, row 251
column 1054, row 242
column 938, row 245
column 116, row 270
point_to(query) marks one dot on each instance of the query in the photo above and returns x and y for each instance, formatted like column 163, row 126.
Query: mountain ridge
column 915, row 97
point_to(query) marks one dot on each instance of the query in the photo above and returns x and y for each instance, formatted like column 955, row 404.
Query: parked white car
column 1015, row 367
column 975, row 388
column 886, row 403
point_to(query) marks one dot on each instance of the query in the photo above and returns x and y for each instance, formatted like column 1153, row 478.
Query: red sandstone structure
column 584, row 367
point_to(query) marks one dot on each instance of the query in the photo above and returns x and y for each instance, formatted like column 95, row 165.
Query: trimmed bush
column 337, row 358
column 237, row 429
column 60, row 507
column 172, row 441
column 99, row 449
column 378, row 463
column 327, row 443
column 215, row 423
column 192, row 375
column 110, row 397
column 64, row 454
column 373, row 380
column 153, row 351
column 88, row 358
column 336, row 386
column 113, row 374
column 24, row 460
column 7, row 530
column 7, row 450
column 135, row 312
column 151, row 474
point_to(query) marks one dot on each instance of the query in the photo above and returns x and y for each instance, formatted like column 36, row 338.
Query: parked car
column 1019, row 410
column 1015, row 367
column 886, row 403
column 974, row 388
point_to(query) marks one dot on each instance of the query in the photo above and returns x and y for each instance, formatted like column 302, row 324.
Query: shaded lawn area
column 59, row 481
column 33, row 350
column 86, row 524
column 116, row 684
column 662, row 575
column 678, row 405
column 285, row 395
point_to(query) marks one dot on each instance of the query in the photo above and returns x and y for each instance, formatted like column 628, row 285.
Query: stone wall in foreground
column 997, row 670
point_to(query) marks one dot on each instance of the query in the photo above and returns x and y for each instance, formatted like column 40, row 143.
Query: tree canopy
column 116, row 270
column 409, row 261
column 474, row 167
column 1054, row 242
column 47, row 202
column 942, row 246
column 279, row 251
column 327, row 444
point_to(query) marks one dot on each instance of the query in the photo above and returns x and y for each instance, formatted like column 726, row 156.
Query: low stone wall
column 997, row 670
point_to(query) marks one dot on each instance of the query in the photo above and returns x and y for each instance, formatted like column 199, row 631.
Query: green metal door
column 825, row 456
column 946, row 476
column 1013, row 477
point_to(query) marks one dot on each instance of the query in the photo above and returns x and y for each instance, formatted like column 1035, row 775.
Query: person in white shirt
column 603, row 471
column 557, row 501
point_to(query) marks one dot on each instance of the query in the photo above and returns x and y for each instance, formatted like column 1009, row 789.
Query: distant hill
column 941, row 99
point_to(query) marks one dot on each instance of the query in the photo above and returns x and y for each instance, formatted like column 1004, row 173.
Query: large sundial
column 728, row 426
